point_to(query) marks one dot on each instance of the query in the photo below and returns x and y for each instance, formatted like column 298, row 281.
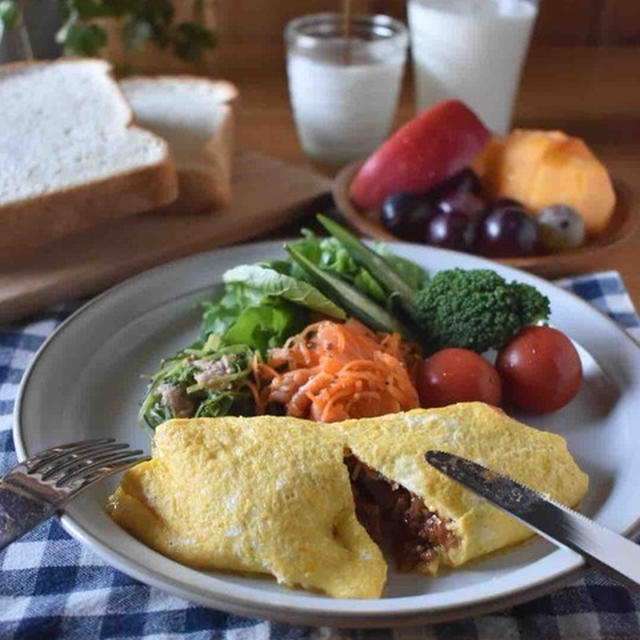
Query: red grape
column 508, row 232
column 506, row 203
column 405, row 215
column 451, row 230
column 465, row 181
column 464, row 202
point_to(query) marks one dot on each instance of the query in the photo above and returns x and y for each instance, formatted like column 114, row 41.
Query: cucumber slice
column 348, row 297
column 375, row 264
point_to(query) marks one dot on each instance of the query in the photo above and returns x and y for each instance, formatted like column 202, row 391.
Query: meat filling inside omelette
column 397, row 519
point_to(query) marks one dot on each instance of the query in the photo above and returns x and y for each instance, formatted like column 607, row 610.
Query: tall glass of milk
column 472, row 50
column 344, row 82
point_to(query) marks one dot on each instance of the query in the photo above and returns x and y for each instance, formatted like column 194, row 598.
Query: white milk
column 472, row 50
column 343, row 106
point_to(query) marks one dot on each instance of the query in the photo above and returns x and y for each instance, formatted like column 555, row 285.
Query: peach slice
column 541, row 168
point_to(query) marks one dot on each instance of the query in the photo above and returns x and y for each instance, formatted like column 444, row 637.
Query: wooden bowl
column 624, row 220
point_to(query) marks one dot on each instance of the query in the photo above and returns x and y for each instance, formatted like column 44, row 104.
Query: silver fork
column 41, row 485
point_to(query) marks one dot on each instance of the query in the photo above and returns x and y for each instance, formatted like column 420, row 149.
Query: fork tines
column 82, row 461
column 42, row 485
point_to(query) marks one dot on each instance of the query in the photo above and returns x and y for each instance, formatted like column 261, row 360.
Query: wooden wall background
column 564, row 22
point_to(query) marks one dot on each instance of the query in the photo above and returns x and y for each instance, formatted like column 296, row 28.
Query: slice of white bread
column 195, row 116
column 69, row 155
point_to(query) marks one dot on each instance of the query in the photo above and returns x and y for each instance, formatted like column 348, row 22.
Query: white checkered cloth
column 52, row 587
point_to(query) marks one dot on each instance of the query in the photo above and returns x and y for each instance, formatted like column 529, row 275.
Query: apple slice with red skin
column 430, row 148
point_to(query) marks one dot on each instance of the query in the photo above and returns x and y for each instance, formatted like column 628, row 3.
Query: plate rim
column 296, row 613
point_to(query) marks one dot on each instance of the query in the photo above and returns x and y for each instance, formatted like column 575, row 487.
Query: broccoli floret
column 476, row 309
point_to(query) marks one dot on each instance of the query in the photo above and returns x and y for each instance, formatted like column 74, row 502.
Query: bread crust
column 34, row 221
column 205, row 190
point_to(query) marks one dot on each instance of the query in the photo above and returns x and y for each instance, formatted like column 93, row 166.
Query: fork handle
column 19, row 513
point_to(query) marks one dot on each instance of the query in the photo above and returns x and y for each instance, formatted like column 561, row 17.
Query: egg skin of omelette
column 395, row 445
column 215, row 498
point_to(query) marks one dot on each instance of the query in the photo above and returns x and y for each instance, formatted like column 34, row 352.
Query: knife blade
column 601, row 547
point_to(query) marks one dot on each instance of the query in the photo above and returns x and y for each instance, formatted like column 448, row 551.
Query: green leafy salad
column 336, row 277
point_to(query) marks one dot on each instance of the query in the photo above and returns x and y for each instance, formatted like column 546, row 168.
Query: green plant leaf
column 142, row 21
column 190, row 39
column 88, row 9
column 221, row 313
column 272, row 284
column 9, row 14
column 83, row 39
column 266, row 326
column 64, row 10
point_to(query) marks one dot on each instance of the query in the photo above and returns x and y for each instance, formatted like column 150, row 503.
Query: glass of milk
column 344, row 82
column 472, row 50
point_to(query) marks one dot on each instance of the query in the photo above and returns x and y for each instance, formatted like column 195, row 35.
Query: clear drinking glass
column 472, row 50
column 344, row 83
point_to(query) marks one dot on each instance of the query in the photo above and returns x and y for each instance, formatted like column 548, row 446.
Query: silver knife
column 601, row 547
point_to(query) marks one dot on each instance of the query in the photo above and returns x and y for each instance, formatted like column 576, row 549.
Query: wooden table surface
column 586, row 91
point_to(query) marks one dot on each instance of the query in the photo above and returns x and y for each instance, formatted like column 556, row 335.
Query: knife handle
column 603, row 548
column 19, row 513
column 612, row 553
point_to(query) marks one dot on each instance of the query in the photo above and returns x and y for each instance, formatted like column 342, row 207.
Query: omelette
column 425, row 518
column 264, row 495
column 320, row 506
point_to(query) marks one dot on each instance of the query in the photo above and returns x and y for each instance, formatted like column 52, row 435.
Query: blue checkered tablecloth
column 52, row 587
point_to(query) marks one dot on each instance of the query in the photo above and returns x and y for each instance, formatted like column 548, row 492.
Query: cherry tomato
column 458, row 375
column 540, row 369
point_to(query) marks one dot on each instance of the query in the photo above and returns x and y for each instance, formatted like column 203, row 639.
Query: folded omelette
column 268, row 495
column 315, row 505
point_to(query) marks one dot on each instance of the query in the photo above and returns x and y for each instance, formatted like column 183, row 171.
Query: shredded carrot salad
column 334, row 371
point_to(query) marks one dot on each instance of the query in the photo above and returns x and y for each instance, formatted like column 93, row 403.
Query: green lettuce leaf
column 266, row 326
column 218, row 315
column 273, row 284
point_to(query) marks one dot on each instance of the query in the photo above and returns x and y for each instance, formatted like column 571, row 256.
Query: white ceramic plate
column 86, row 382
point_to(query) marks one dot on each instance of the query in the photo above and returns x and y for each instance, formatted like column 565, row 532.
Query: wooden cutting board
column 266, row 194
